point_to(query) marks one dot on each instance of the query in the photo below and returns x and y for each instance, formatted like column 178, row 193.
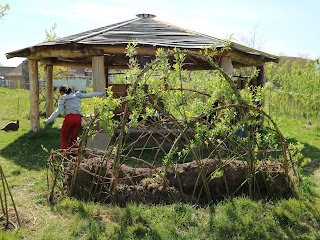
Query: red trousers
column 70, row 131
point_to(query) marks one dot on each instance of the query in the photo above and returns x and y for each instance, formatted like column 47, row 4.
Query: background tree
column 253, row 39
column 4, row 8
column 51, row 33
column 58, row 72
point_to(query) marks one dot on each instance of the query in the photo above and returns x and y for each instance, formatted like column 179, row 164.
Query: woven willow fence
column 172, row 143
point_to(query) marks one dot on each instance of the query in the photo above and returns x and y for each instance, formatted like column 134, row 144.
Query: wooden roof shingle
column 144, row 29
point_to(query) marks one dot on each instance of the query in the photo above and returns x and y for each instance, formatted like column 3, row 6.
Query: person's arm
column 57, row 112
column 89, row 95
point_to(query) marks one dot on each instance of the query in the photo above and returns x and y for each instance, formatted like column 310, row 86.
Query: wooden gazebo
column 104, row 48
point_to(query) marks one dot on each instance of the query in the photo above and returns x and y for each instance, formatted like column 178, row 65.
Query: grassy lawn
column 24, row 163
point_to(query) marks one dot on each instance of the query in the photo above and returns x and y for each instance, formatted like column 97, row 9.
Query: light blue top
column 71, row 103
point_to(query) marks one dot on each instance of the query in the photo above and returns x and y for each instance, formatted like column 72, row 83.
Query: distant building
column 18, row 77
column 3, row 72
column 15, row 80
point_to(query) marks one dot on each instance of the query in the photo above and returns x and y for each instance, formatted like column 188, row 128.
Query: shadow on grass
column 27, row 152
column 311, row 152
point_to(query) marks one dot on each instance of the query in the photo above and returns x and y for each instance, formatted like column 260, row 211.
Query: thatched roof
column 151, row 34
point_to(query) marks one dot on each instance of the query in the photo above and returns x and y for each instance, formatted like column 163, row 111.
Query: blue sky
column 281, row 27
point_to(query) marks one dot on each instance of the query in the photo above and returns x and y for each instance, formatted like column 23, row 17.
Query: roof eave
column 265, row 57
column 25, row 52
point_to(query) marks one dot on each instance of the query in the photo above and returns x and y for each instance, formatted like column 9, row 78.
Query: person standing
column 70, row 102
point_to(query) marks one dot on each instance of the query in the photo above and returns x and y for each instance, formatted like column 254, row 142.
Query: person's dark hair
column 65, row 89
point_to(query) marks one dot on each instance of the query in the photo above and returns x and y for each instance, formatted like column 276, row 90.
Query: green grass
column 24, row 162
column 295, row 131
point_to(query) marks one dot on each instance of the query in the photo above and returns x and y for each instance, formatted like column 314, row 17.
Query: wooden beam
column 65, row 53
column 19, row 53
column 49, row 89
column 79, row 64
column 245, row 59
column 121, row 49
column 69, row 57
column 70, row 52
column 118, row 67
column 98, row 74
column 65, row 63
column 34, row 95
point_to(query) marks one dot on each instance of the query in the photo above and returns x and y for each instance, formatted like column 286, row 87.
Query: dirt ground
column 194, row 182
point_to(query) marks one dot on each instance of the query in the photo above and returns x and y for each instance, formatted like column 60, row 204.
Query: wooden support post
column 49, row 89
column 226, row 65
column 260, row 77
column 253, row 81
column 34, row 95
column 106, row 72
column 98, row 74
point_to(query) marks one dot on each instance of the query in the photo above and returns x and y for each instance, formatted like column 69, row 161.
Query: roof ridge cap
column 104, row 30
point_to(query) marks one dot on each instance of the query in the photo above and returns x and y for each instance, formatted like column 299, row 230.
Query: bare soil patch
column 180, row 183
